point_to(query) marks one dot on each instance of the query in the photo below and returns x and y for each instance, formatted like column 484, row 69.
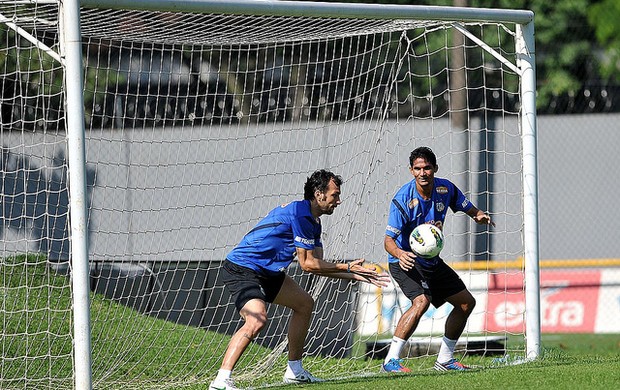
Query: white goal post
column 141, row 139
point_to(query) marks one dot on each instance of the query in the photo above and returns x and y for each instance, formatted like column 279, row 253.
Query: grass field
column 583, row 361
column 568, row 362
column 162, row 352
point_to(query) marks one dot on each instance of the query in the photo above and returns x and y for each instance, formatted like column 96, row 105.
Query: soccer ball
column 426, row 240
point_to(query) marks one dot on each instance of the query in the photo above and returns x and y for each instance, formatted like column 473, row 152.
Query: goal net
column 200, row 118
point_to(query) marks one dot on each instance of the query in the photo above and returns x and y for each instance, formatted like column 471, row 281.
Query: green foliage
column 96, row 83
column 604, row 16
column 32, row 81
column 566, row 45
column 577, row 44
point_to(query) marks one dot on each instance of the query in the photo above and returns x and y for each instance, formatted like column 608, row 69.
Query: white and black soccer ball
column 426, row 241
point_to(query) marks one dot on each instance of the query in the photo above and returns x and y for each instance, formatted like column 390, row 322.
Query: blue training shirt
column 271, row 246
column 408, row 210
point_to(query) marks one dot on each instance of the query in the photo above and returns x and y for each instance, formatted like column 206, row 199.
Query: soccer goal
column 142, row 139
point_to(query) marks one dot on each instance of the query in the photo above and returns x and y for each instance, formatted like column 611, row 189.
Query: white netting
column 198, row 125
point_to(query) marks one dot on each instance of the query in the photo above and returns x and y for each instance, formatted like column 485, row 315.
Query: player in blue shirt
column 255, row 273
column 426, row 199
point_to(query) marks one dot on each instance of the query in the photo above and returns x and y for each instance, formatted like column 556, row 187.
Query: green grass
column 35, row 340
column 129, row 349
column 568, row 361
column 135, row 351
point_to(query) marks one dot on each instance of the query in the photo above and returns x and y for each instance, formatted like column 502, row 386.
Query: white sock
column 222, row 375
column 395, row 347
column 446, row 351
column 295, row 366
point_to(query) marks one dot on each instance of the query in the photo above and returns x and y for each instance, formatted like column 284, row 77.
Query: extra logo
column 568, row 301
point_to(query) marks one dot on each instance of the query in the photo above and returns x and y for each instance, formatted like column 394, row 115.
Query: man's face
column 330, row 199
column 423, row 172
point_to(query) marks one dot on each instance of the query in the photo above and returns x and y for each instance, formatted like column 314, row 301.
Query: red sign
column 568, row 301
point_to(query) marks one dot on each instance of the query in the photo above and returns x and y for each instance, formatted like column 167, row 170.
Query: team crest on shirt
column 440, row 206
column 413, row 203
column 442, row 190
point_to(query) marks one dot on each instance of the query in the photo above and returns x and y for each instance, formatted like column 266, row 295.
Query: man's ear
column 436, row 168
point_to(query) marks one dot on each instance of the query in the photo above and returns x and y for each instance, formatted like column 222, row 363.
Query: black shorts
column 245, row 284
column 438, row 282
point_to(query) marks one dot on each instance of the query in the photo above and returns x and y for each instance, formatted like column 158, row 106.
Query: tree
column 567, row 64
column 603, row 16
column 31, row 86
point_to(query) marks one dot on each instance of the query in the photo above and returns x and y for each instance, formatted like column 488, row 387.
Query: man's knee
column 468, row 304
column 421, row 303
column 256, row 324
column 463, row 302
column 255, row 321
column 306, row 304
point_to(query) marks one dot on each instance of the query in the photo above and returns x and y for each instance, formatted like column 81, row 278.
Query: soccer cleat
column 451, row 365
column 302, row 377
column 394, row 365
column 226, row 384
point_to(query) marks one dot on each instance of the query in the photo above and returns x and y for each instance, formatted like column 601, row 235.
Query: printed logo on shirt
column 304, row 241
column 465, row 202
column 413, row 202
column 440, row 206
column 392, row 229
column 442, row 190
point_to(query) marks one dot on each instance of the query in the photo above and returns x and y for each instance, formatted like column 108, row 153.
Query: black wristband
column 349, row 267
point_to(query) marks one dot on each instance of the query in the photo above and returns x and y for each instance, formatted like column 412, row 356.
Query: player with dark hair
column 426, row 199
column 255, row 273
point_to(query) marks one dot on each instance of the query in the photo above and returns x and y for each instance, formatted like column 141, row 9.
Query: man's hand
column 368, row 274
column 406, row 260
column 483, row 219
